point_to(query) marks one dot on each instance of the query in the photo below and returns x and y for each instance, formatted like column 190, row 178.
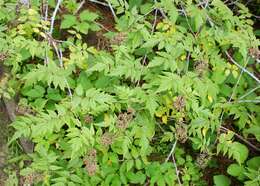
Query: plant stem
column 171, row 152
column 80, row 6
column 54, row 15
column 99, row 2
column 176, row 170
column 112, row 10
column 244, row 69
column 145, row 56
column 242, row 139
column 251, row 91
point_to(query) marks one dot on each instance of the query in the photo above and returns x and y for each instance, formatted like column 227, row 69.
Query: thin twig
column 241, row 138
column 255, row 16
column 112, row 10
column 249, row 101
column 140, row 17
column 53, row 42
column 46, row 10
column 60, row 56
column 235, row 87
column 232, row 94
column 145, row 56
column 186, row 17
column 46, row 7
column 244, row 69
column 51, row 39
column 160, row 127
column 102, row 26
column 171, row 152
column 176, row 170
column 248, row 93
column 80, row 6
column 188, row 62
column 54, row 15
column 62, row 66
column 99, row 2
column 249, row 1
column 233, row 2
column 56, row 49
column 163, row 14
column 46, row 59
column 205, row 3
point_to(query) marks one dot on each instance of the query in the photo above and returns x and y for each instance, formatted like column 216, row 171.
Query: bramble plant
column 166, row 89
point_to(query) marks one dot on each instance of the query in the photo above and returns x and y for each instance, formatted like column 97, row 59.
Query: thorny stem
column 241, row 138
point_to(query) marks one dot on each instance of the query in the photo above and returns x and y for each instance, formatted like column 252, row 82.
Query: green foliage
column 108, row 114
column 234, row 149
column 221, row 180
column 83, row 25
column 248, row 173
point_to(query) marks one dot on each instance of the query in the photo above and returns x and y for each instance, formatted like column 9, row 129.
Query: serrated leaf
column 82, row 27
column 129, row 165
column 76, row 178
column 151, row 104
column 254, row 163
column 79, row 90
column 239, row 152
column 68, row 21
column 88, row 16
column 255, row 130
column 136, row 178
column 36, row 92
column 138, row 164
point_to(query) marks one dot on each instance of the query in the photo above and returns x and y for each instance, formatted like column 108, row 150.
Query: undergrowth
column 161, row 94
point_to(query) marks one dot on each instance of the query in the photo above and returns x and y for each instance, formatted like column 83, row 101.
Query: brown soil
column 222, row 163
